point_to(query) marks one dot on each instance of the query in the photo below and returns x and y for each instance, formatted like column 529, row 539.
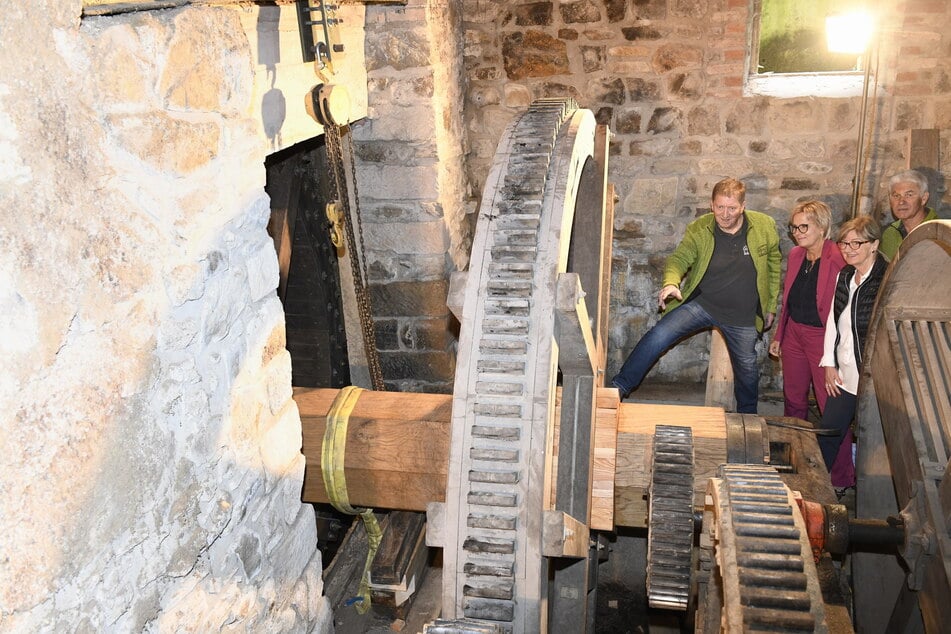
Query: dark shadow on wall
column 273, row 103
column 937, row 188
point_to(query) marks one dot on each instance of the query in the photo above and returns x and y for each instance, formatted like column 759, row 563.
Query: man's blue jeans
column 683, row 321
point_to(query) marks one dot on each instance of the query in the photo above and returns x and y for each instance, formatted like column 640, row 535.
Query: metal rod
column 860, row 148
column 876, row 532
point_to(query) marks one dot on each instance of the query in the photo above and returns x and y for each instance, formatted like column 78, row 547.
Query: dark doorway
column 299, row 184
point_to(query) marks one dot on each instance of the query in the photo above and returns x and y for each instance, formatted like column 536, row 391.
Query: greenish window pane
column 793, row 37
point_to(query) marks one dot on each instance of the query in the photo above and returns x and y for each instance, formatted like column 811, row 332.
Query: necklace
column 808, row 265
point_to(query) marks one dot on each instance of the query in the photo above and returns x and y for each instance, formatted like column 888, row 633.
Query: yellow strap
column 333, row 451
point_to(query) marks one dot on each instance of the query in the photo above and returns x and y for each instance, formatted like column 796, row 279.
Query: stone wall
column 668, row 77
column 412, row 186
column 151, row 470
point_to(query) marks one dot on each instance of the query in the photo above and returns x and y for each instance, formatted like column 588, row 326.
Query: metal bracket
column 319, row 37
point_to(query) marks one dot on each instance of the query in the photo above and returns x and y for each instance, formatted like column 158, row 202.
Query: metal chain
column 357, row 256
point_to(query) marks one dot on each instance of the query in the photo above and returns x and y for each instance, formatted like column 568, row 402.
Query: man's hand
column 666, row 292
column 774, row 349
column 769, row 320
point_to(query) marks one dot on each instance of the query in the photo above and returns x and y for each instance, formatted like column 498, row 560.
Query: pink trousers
column 802, row 349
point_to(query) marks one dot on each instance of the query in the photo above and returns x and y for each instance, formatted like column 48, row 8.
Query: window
column 790, row 53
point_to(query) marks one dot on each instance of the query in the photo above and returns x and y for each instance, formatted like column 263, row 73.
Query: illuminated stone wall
column 150, row 472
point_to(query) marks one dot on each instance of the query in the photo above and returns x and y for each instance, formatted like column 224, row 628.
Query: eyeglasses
column 851, row 244
column 799, row 228
column 906, row 195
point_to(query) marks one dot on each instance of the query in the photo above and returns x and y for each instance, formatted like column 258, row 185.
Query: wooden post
column 719, row 375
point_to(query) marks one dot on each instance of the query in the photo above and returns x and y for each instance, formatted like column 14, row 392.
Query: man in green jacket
column 907, row 195
column 724, row 274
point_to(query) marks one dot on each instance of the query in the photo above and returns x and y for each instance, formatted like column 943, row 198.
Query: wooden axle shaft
column 398, row 447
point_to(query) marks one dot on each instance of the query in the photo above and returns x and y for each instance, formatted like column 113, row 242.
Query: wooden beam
column 397, row 447
column 719, row 374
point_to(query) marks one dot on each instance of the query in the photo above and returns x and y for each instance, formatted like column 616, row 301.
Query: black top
column 728, row 288
column 801, row 301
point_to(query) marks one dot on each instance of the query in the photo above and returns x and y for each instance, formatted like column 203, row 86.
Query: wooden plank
column 601, row 337
column 719, row 375
column 924, row 149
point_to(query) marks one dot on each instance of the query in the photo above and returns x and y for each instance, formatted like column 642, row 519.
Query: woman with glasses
column 851, row 310
column 811, row 271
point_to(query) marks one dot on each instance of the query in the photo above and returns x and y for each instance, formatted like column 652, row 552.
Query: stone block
column 399, row 182
column 166, row 143
column 410, row 299
column 651, row 196
column 419, row 366
column 480, row 96
column 533, row 54
column 703, row 120
column 120, row 80
column 558, row 90
column 263, row 271
column 421, row 266
column 627, row 68
column 813, row 167
column 795, row 115
column 641, row 32
column 628, row 122
column 281, row 442
column 409, row 237
column 386, row 152
column 650, row 9
column 688, row 8
column 669, row 57
column 568, row 35
column 403, row 123
column 429, row 334
column 400, row 49
column 799, row 184
column 747, row 117
column 201, row 77
column 531, row 14
column 908, row 115
column 277, row 377
column 592, row 58
column 582, row 11
column 685, row 85
column 606, row 91
column 642, row 90
column 615, row 10
column 664, row 120
column 387, row 334
column 516, row 95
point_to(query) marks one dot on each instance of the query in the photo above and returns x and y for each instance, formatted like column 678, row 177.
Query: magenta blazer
column 830, row 264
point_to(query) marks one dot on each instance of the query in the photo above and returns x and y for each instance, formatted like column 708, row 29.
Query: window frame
column 787, row 85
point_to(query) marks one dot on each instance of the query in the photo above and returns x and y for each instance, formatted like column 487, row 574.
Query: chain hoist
column 339, row 212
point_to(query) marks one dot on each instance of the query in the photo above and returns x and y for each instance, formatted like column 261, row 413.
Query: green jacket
column 692, row 256
column 892, row 236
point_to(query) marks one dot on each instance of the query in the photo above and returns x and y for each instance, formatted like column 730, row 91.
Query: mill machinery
column 527, row 467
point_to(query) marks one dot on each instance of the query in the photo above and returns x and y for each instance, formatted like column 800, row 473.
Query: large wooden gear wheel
column 757, row 570
column 511, row 349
